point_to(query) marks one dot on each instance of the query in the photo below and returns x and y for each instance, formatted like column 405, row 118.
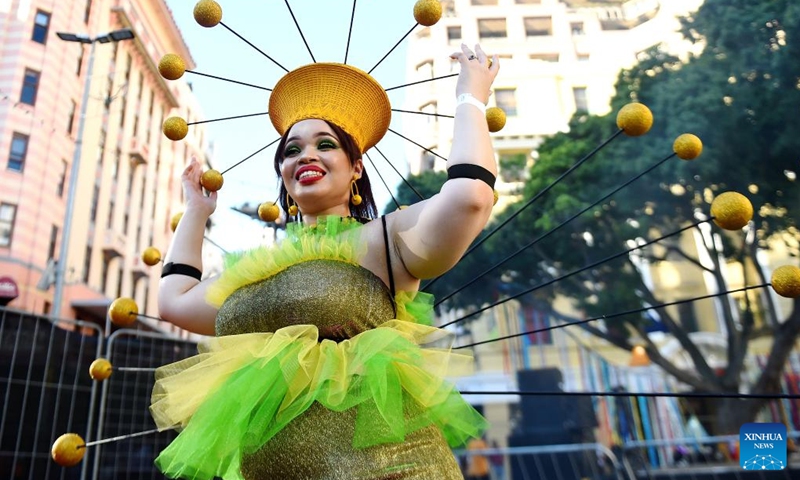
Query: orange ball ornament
column 123, row 311
column 171, row 66
column 495, row 118
column 100, row 369
column 687, row 146
column 635, row 119
column 269, row 212
column 731, row 210
column 175, row 128
column 211, row 180
column 427, row 12
column 68, row 450
column 207, row 13
column 151, row 256
column 786, row 281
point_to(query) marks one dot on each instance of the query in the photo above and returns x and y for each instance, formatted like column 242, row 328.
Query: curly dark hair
column 367, row 209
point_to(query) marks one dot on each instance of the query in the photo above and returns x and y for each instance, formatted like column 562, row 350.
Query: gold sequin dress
column 316, row 372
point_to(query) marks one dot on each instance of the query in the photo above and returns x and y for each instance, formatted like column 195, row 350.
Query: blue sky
column 269, row 26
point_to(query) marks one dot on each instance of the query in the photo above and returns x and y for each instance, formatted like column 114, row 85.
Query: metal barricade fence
column 46, row 391
column 585, row 461
column 125, row 402
column 702, row 458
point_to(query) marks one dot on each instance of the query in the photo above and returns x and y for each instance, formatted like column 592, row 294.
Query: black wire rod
column 228, row 118
column 743, row 396
column 300, row 30
column 403, row 178
column 422, row 81
column 612, row 315
column 251, row 155
column 553, row 230
column 388, row 189
column 423, row 113
column 254, row 47
column 392, row 49
column 530, row 202
column 575, row 272
column 350, row 32
column 228, row 80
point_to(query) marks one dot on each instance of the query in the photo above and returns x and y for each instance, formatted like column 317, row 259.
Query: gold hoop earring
column 292, row 207
column 355, row 198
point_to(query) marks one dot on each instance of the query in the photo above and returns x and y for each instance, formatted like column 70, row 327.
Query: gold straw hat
column 343, row 95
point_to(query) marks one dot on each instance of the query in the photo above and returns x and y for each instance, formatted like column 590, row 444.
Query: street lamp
column 61, row 267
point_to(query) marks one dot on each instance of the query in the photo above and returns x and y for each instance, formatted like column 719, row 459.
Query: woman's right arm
column 181, row 299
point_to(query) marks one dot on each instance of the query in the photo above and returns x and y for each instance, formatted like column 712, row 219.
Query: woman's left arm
column 431, row 236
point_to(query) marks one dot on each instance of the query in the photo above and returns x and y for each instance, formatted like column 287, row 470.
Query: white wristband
column 467, row 98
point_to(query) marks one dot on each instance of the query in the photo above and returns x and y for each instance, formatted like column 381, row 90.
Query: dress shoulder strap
column 388, row 257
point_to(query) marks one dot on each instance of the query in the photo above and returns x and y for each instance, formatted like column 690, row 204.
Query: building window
column 583, row 57
column 18, row 151
column 545, row 57
column 425, row 69
column 454, row 33
column 87, row 11
column 581, row 103
column 537, row 2
column 577, row 28
column 30, row 84
column 87, row 263
column 484, row 2
column 62, row 179
column 427, row 161
column 80, row 62
column 95, row 196
column 41, row 24
column 538, row 26
column 7, row 214
column 73, row 107
column 430, row 109
column 506, row 99
column 513, row 166
column 492, row 28
column 51, row 249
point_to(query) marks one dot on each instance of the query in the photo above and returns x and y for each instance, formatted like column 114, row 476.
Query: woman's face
column 316, row 170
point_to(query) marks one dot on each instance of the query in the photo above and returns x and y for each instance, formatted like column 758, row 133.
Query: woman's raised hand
column 193, row 192
column 477, row 74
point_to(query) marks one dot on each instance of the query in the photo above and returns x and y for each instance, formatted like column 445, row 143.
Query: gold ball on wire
column 495, row 118
column 151, row 256
column 211, row 180
column 731, row 210
column 635, row 119
column 100, row 369
column 123, row 311
column 171, row 66
column 268, row 211
column 427, row 12
column 687, row 146
column 173, row 222
column 786, row 281
column 175, row 128
column 68, row 450
column 207, row 13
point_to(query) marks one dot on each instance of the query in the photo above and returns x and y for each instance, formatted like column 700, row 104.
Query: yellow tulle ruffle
column 332, row 238
column 183, row 386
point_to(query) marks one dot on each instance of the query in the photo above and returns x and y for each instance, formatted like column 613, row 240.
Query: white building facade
column 557, row 57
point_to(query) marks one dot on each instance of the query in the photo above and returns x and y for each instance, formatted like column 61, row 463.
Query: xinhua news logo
column 762, row 446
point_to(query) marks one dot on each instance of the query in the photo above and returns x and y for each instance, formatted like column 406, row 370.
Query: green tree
column 740, row 96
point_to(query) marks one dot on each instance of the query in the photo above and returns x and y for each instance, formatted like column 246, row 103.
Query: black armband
column 181, row 269
column 470, row 170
